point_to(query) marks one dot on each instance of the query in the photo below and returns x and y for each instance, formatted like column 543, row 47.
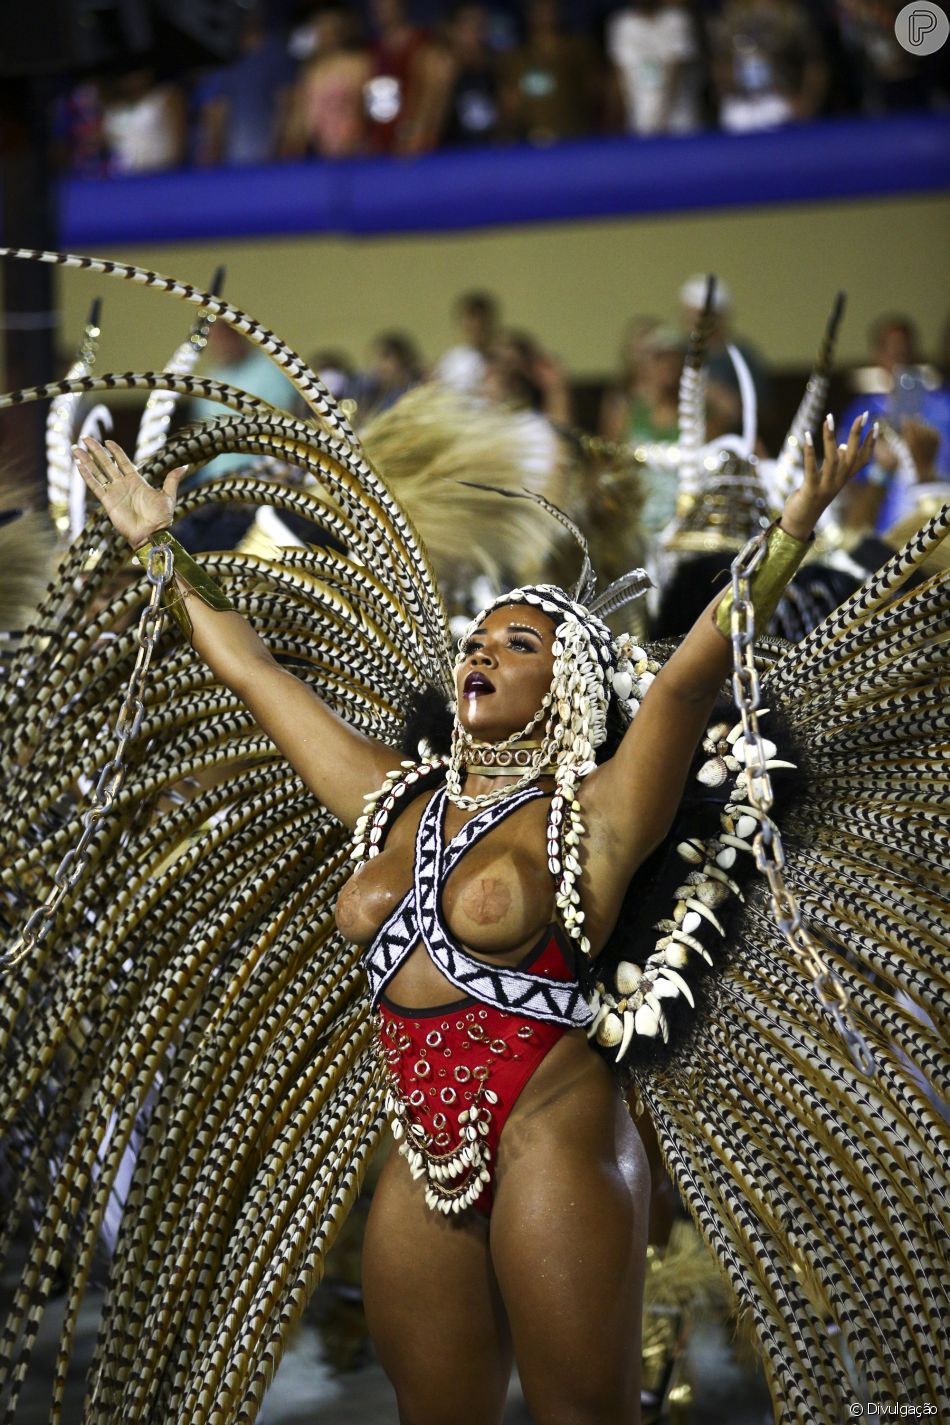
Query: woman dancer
column 188, row 1038
column 546, row 1255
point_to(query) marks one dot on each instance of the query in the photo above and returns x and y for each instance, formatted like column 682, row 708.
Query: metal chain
column 161, row 568
column 767, row 844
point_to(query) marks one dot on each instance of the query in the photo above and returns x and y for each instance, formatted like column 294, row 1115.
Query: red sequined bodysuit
column 456, row 1070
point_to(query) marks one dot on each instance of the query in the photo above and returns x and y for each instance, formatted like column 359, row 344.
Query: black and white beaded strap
column 517, row 991
column 400, row 932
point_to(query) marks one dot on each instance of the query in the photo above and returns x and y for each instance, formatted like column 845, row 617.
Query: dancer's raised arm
column 338, row 763
column 631, row 800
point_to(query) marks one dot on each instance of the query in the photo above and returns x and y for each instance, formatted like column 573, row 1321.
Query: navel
column 486, row 901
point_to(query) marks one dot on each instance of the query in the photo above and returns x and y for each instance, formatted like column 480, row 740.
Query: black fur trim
column 429, row 718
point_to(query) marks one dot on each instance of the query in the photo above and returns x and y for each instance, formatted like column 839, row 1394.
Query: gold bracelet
column 783, row 554
column 195, row 579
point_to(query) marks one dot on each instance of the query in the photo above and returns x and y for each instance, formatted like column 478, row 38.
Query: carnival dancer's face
column 507, row 667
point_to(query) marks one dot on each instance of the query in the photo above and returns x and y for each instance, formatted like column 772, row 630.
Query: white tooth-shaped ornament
column 680, row 984
column 628, row 977
column 725, row 880
column 653, row 1002
column 706, row 913
column 599, row 1012
column 629, row 1024
column 611, row 1030
column 691, row 922
column 741, row 749
column 693, row 944
column 736, row 732
column 664, row 988
column 646, row 1021
column 690, row 851
column 726, row 857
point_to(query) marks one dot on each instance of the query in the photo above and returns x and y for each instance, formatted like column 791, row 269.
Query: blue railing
column 451, row 189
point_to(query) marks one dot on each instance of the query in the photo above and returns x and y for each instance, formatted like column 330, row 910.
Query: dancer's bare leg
column 568, row 1242
column 433, row 1307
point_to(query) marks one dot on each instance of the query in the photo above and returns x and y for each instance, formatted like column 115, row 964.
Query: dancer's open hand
column 136, row 508
column 823, row 482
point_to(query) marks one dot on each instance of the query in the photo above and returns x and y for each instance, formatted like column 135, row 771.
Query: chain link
column 767, row 844
column 160, row 570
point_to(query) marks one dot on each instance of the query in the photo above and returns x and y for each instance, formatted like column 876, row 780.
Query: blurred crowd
column 334, row 80
column 636, row 409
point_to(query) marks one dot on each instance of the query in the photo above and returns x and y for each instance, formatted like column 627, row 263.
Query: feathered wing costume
column 192, row 996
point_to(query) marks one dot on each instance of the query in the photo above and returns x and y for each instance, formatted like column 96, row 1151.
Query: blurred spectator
column 78, row 140
column 394, row 368
column 719, row 367
column 654, row 47
column 613, row 420
column 898, row 388
column 467, row 98
column 232, row 358
column 885, row 76
column 335, row 370
column 768, row 65
column 144, row 123
column 463, row 367
column 523, row 376
column 654, row 411
column 653, row 419
column 327, row 115
column 242, row 107
column 550, row 88
column 399, row 97
column 943, row 350
column 884, row 494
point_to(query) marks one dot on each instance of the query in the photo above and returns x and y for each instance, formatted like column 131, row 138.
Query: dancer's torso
column 496, row 902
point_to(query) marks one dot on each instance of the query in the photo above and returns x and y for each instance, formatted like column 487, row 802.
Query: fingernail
column 830, row 422
column 808, row 439
column 876, row 429
column 864, row 420
column 842, row 450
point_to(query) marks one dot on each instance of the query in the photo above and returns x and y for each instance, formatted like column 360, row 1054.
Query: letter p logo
column 922, row 23
column 922, row 28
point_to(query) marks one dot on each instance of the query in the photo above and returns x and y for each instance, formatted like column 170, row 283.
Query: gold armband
column 190, row 573
column 783, row 554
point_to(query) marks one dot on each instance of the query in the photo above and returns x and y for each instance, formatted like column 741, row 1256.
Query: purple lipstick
column 476, row 685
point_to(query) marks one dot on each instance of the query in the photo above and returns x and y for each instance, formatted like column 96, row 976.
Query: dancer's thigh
column 433, row 1307
column 568, row 1242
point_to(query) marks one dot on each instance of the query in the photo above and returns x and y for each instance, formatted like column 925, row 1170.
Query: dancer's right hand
column 136, row 508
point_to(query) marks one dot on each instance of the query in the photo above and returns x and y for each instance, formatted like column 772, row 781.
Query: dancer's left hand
column 823, row 482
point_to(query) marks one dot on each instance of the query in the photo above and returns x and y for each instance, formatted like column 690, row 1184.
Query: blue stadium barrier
column 452, row 189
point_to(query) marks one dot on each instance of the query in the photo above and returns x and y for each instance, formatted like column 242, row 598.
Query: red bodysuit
column 456, row 1070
